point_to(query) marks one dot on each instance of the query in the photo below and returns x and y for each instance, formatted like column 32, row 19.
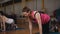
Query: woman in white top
column 4, row 20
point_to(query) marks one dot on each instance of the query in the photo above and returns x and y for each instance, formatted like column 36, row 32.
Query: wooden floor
column 25, row 31
column 16, row 32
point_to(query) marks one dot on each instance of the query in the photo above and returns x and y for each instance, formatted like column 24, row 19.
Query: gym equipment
column 37, row 33
column 54, row 33
column 16, row 29
column 56, row 29
column 20, row 29
column 50, row 33
column 8, row 28
column 57, row 14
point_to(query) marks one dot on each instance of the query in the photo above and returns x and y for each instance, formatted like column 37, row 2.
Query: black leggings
column 45, row 28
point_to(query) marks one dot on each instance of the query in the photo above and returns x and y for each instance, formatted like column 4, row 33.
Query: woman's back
column 44, row 17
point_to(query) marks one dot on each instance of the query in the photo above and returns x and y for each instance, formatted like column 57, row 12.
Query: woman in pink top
column 43, row 27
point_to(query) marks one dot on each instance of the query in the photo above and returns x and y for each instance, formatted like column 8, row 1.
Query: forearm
column 30, row 28
column 40, row 29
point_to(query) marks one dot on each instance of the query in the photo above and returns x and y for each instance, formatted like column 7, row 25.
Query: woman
column 36, row 15
column 43, row 24
column 4, row 20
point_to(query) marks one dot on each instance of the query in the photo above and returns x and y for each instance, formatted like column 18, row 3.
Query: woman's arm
column 30, row 26
column 39, row 22
column 3, row 21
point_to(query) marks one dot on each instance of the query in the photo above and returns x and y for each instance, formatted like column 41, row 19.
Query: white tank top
column 10, row 21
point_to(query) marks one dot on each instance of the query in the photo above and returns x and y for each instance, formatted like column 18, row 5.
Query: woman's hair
column 2, row 13
column 26, row 9
column 41, row 12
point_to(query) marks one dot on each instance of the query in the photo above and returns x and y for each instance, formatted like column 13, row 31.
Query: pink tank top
column 44, row 18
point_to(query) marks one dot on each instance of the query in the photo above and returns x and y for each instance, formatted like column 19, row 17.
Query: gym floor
column 22, row 31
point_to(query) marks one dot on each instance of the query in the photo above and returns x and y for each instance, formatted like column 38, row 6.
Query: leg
column 46, row 28
column 11, row 21
column 13, row 25
column 1, row 26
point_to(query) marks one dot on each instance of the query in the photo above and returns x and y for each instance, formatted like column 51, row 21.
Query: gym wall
column 50, row 6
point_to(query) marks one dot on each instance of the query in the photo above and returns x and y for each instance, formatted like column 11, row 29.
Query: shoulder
column 4, row 17
column 37, row 14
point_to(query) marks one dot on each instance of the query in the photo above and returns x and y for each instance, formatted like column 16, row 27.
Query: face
column 25, row 14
